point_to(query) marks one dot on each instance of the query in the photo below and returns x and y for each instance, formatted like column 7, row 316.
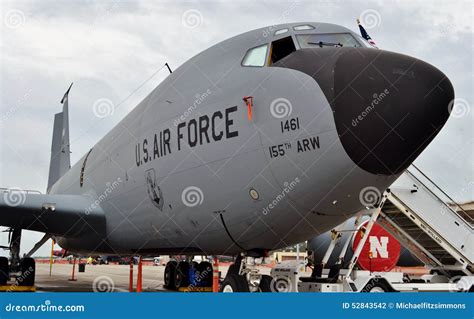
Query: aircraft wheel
column 233, row 269
column 266, row 284
column 4, row 271
column 181, row 276
column 378, row 286
column 27, row 268
column 170, row 270
column 235, row 283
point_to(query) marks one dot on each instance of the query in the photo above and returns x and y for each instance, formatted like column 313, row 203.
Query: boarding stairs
column 429, row 223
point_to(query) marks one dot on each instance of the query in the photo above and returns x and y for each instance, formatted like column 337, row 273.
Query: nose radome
column 387, row 106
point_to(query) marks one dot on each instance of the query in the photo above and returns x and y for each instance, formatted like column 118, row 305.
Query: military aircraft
column 262, row 141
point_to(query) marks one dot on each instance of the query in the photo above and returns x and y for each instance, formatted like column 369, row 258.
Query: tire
column 28, row 269
column 376, row 286
column 181, row 275
column 4, row 271
column 234, row 283
column 234, row 269
column 266, row 284
column 170, row 270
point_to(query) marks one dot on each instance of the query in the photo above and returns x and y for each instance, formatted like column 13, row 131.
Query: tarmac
column 113, row 277
column 105, row 278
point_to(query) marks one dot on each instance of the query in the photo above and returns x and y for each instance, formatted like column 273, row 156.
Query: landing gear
column 4, row 271
column 27, row 269
column 170, row 271
column 376, row 286
column 15, row 240
column 181, row 277
column 243, row 276
column 187, row 274
column 235, row 283
column 267, row 284
column 23, row 269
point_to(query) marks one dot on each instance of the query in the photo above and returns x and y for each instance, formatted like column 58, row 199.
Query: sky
column 114, row 51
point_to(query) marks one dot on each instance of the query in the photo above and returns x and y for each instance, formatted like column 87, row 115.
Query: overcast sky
column 110, row 49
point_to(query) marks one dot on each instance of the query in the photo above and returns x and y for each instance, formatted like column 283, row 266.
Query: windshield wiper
column 328, row 44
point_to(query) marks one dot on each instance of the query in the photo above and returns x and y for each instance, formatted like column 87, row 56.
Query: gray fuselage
column 188, row 172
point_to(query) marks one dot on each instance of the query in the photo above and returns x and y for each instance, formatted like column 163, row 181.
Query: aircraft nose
column 387, row 106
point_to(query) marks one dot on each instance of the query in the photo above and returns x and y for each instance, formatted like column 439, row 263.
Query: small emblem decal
column 154, row 191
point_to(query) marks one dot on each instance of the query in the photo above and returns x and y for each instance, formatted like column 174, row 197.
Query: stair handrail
column 19, row 190
column 467, row 218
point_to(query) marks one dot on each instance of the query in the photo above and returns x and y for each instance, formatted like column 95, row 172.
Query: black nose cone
column 387, row 107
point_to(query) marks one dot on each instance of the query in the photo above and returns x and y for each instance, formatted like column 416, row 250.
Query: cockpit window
column 303, row 27
column 327, row 40
column 281, row 48
column 281, row 31
column 255, row 56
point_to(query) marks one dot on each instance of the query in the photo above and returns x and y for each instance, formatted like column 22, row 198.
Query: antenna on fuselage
column 169, row 69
